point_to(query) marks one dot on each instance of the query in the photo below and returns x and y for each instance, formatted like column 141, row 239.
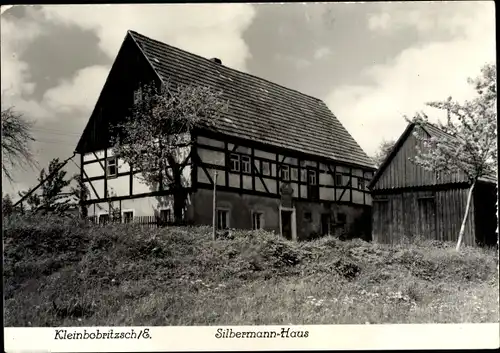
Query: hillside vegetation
column 60, row 272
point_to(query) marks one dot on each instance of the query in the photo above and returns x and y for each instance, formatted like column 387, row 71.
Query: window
column 257, row 220
column 128, row 216
column 361, row 184
column 308, row 216
column 266, row 170
column 245, row 164
column 311, row 177
column 341, row 218
column 103, row 218
column 338, row 179
column 166, row 215
column 111, row 169
column 285, row 172
column 235, row 163
column 222, row 219
column 295, row 174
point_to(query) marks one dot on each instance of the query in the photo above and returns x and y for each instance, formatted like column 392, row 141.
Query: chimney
column 216, row 60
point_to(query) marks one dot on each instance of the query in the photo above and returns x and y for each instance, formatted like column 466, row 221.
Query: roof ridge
column 227, row 67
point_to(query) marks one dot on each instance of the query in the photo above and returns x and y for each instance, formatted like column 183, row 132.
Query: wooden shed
column 409, row 201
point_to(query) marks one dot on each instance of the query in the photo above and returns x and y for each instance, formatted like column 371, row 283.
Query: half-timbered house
column 284, row 161
column 409, row 201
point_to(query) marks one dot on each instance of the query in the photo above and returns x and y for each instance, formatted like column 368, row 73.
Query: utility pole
column 214, row 218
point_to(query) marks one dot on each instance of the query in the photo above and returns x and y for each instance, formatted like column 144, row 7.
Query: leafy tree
column 52, row 197
column 81, row 193
column 155, row 136
column 16, row 139
column 383, row 151
column 469, row 142
column 7, row 205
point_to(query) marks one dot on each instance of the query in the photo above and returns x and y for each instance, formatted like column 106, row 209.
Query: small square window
column 285, row 172
column 295, row 174
column 111, row 168
column 128, row 216
column 235, row 163
column 245, row 164
column 222, row 219
column 257, row 220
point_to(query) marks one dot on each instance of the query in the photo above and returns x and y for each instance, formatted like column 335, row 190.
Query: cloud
column 424, row 17
column 191, row 27
column 322, row 52
column 428, row 71
column 207, row 30
column 297, row 62
column 69, row 96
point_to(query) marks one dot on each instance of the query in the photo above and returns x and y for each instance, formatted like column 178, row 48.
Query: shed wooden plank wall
column 429, row 214
column 402, row 172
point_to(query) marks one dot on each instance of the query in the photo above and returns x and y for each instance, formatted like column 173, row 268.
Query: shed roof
column 259, row 110
column 430, row 129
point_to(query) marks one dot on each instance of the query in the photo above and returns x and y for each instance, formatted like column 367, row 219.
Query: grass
column 66, row 273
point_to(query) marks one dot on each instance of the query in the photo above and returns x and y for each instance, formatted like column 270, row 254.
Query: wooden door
column 426, row 216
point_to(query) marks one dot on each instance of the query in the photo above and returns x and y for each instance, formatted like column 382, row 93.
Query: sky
column 372, row 63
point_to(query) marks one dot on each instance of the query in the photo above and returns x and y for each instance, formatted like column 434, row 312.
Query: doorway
column 287, row 223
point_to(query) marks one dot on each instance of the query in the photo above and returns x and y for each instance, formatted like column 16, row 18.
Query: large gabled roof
column 258, row 109
column 432, row 131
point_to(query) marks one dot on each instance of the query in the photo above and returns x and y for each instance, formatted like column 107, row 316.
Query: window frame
column 283, row 168
column 114, row 164
column 234, row 157
column 228, row 218
column 312, row 172
column 262, row 169
column 246, row 161
column 128, row 211
column 261, row 220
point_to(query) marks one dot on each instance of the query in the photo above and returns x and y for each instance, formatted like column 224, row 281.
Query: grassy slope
column 59, row 272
